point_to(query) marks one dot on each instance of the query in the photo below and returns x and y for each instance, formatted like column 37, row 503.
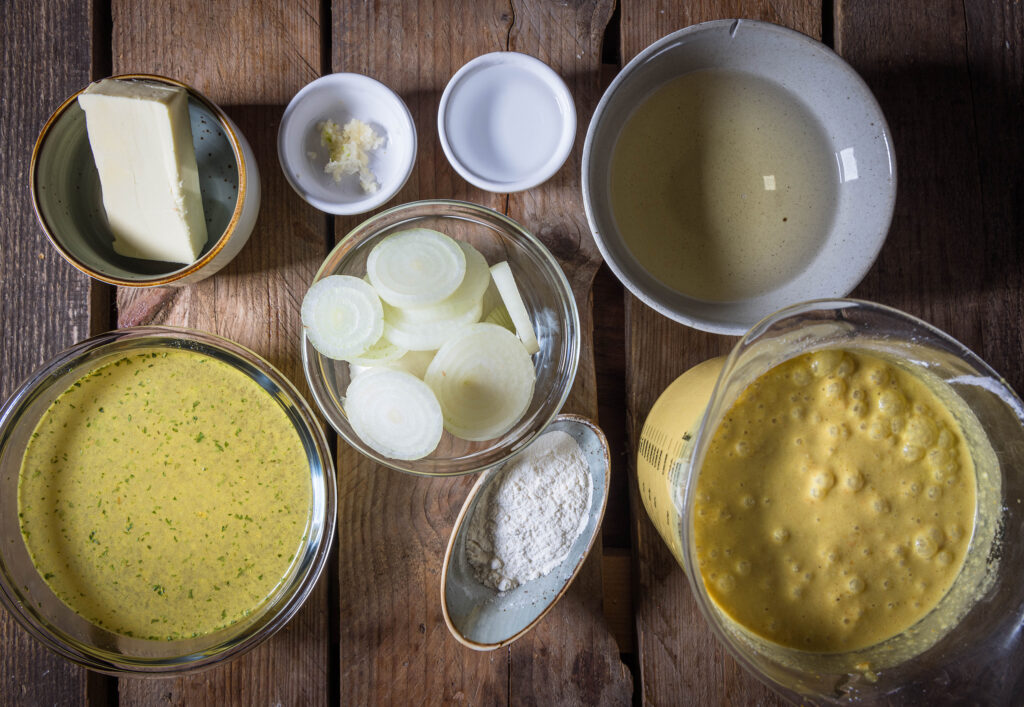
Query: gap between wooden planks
column 393, row 643
column 250, row 58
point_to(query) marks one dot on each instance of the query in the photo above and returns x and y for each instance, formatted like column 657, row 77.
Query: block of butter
column 141, row 140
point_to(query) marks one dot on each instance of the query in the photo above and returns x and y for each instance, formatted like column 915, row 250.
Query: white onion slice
column 499, row 315
column 466, row 296
column 383, row 351
column 484, row 379
column 414, row 362
column 492, row 298
column 506, row 284
column 417, row 334
column 342, row 316
column 416, row 268
column 394, row 413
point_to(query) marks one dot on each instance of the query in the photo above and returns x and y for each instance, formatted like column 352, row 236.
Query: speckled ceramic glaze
column 483, row 618
column 836, row 97
column 68, row 201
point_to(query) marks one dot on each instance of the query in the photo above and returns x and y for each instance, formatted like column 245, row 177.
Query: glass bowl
column 34, row 605
column 971, row 644
column 546, row 294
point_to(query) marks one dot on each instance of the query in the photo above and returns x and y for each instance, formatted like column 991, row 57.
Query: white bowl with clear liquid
column 837, row 101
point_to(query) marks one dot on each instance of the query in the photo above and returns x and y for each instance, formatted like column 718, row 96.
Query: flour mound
column 529, row 518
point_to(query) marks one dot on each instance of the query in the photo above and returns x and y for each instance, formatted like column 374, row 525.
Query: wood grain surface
column 249, row 59
column 44, row 302
column 949, row 76
column 571, row 656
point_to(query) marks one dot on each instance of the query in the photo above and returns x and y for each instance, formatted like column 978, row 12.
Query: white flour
column 529, row 518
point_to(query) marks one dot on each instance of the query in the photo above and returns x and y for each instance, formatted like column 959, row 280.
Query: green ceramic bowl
column 66, row 194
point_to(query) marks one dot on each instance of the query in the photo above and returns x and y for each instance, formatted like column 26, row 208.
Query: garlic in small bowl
column 347, row 143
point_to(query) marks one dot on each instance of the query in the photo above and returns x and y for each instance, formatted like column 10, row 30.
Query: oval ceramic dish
column 69, row 206
column 484, row 619
column 836, row 98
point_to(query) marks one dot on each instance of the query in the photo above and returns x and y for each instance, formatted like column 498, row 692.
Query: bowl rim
column 224, row 649
column 369, row 201
column 551, row 81
column 157, row 280
column 706, row 430
column 653, row 300
column 460, row 521
column 483, row 211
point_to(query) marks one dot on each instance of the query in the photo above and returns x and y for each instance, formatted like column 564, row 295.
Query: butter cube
column 141, row 140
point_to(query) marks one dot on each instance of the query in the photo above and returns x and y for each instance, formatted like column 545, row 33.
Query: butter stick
column 141, row 140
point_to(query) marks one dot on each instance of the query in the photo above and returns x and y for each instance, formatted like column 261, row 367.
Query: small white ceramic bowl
column 506, row 122
column 484, row 619
column 341, row 97
column 836, row 98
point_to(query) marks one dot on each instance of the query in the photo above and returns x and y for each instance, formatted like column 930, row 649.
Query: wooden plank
column 608, row 302
column 250, row 58
column 571, row 656
column 393, row 642
column 43, row 300
column 995, row 57
column 950, row 79
column 950, row 91
column 680, row 660
column 393, row 528
column 617, row 579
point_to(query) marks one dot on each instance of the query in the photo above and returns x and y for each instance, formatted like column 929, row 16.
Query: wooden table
column 950, row 78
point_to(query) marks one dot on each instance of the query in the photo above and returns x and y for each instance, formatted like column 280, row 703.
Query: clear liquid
column 723, row 186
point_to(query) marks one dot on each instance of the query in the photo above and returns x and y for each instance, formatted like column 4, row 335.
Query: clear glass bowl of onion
column 545, row 294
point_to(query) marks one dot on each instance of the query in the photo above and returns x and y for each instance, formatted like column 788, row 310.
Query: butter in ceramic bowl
column 69, row 200
column 493, row 592
column 141, row 141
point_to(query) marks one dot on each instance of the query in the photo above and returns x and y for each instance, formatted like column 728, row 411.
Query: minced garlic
column 348, row 149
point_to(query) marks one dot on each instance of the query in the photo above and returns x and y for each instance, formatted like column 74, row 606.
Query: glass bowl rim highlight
column 287, row 599
column 423, row 209
column 741, row 650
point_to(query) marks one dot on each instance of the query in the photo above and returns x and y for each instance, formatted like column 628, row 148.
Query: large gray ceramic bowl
column 69, row 206
column 836, row 98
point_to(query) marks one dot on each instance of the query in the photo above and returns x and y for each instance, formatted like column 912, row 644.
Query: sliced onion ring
column 342, row 316
column 394, row 413
column 483, row 379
